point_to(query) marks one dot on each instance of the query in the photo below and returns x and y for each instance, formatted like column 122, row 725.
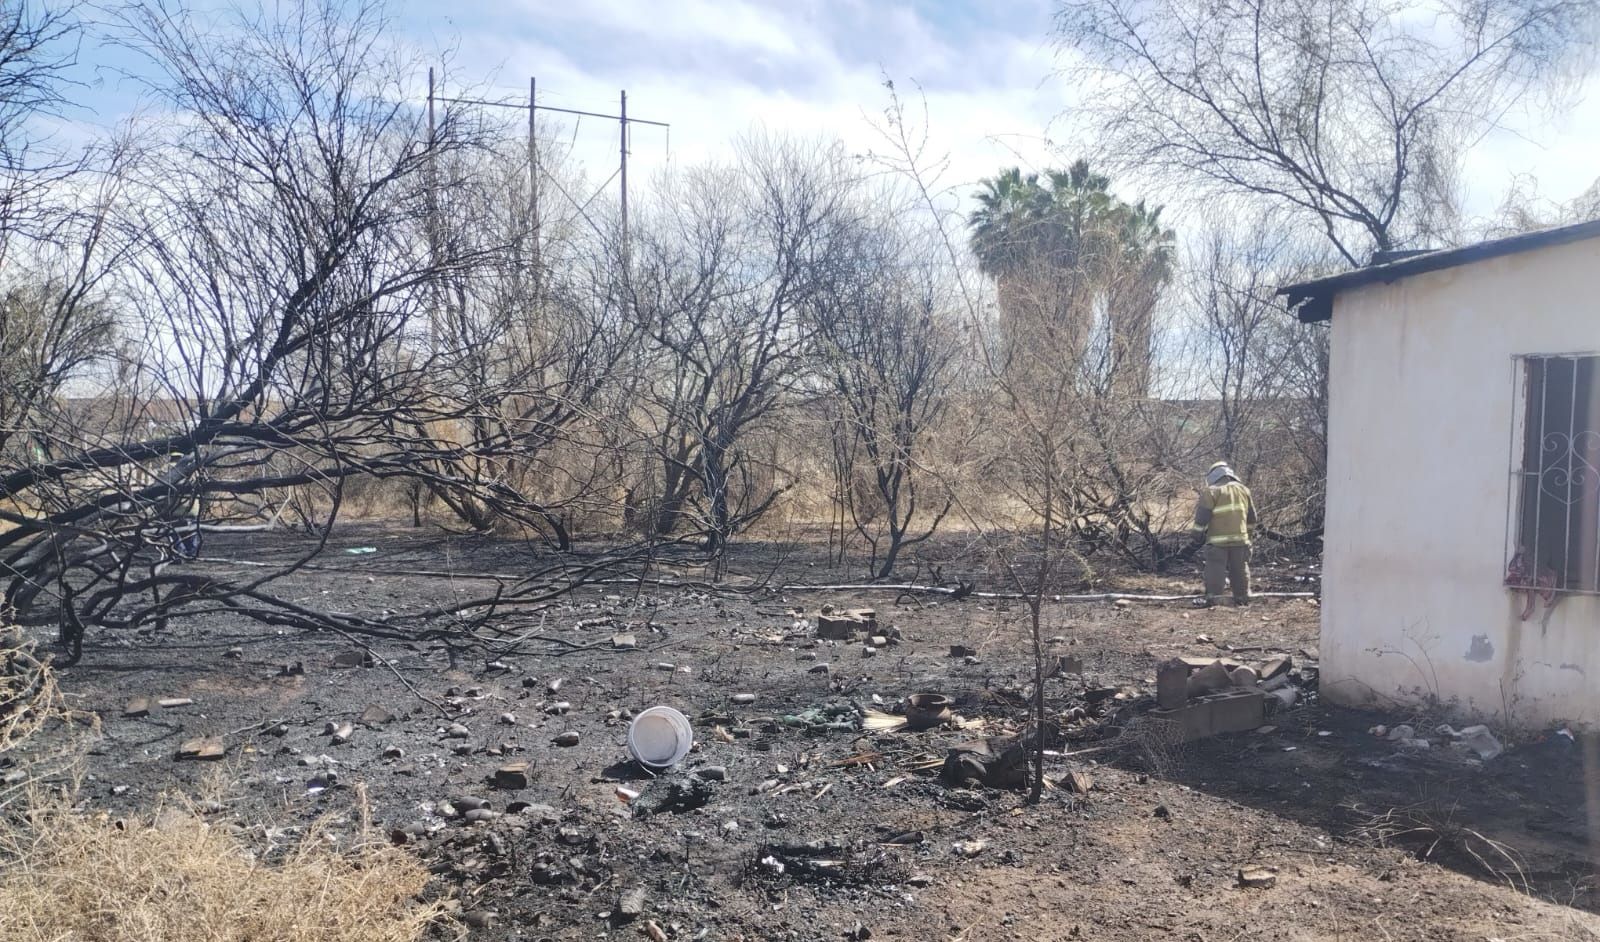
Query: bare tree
column 278, row 304
column 886, row 350
column 534, row 348
column 1027, row 395
column 38, row 44
column 1524, row 210
column 1353, row 113
column 1265, row 371
column 725, row 270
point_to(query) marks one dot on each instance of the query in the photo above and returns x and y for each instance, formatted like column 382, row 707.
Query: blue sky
column 717, row 68
column 714, row 68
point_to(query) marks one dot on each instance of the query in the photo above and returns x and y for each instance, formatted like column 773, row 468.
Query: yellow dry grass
column 29, row 697
column 173, row 877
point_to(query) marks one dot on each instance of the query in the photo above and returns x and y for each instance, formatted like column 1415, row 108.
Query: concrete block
column 842, row 626
column 1233, row 711
column 1172, row 684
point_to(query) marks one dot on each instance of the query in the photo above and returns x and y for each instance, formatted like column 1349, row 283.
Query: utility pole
column 622, row 125
column 533, row 156
column 533, row 184
column 433, row 219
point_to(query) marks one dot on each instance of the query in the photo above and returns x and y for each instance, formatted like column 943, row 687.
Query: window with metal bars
column 1558, row 483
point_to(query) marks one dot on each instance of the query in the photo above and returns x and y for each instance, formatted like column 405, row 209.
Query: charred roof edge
column 1313, row 300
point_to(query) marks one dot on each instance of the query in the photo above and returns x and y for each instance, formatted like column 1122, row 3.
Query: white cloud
column 714, row 70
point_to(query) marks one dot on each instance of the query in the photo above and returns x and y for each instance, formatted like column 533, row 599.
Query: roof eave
column 1312, row 301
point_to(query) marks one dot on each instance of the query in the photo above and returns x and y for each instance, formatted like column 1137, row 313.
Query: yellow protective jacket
column 1224, row 514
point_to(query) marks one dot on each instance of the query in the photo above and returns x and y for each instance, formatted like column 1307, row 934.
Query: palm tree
column 1011, row 209
column 1142, row 267
column 1009, row 230
column 1059, row 247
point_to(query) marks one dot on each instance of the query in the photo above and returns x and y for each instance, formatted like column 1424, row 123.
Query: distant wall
column 1426, row 401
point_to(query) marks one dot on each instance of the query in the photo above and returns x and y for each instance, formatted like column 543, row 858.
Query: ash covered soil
column 787, row 821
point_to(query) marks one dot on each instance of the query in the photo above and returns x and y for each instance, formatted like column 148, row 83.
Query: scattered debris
column 969, row 849
column 346, row 660
column 202, row 747
column 512, row 776
column 625, row 642
column 997, row 762
column 170, row 702
column 630, row 905
column 831, row 861
column 138, row 706
column 1066, row 665
column 674, row 793
column 1243, row 677
column 842, row 626
column 1209, row 679
column 828, row 717
column 924, row 710
column 1479, row 740
column 660, row 737
column 1172, row 684
column 375, row 716
column 1232, row 711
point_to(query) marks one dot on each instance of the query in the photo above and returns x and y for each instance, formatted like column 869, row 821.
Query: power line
column 533, row 107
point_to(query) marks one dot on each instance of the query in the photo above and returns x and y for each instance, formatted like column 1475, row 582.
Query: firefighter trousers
column 1227, row 564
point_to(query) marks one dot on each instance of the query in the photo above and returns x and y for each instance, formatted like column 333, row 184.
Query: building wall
column 1425, row 392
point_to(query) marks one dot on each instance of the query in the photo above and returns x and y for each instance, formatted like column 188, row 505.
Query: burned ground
column 784, row 823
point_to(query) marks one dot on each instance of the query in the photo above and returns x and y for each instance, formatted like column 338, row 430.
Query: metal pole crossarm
column 522, row 107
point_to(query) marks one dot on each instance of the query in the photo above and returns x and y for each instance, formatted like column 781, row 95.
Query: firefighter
column 1223, row 516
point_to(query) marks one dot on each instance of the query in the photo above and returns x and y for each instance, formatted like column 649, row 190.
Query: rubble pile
column 1472, row 742
column 1197, row 697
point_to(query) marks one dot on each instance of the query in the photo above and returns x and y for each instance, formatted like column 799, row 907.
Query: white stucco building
column 1463, row 462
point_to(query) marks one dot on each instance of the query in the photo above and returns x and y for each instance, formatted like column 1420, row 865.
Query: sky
column 715, row 69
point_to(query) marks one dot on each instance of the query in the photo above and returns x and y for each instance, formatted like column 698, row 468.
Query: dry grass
column 1433, row 832
column 28, row 694
column 172, row 877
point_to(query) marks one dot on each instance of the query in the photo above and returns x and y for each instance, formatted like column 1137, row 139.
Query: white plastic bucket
column 660, row 737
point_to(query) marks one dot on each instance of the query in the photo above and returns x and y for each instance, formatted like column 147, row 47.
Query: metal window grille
column 1556, row 480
